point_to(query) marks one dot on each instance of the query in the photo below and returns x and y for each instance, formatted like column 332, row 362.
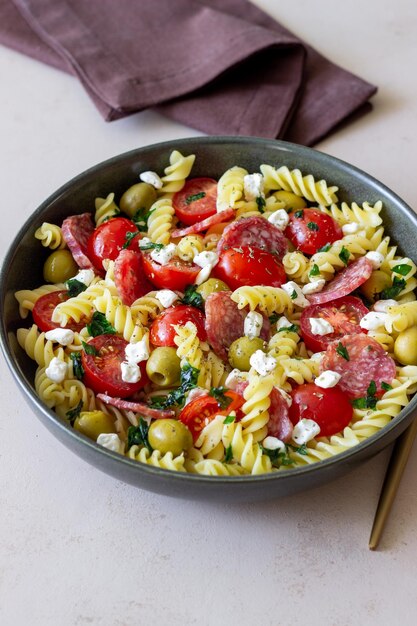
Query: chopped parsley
column 369, row 402
column 138, row 435
column 229, row 453
column 99, row 325
column 344, row 255
column 72, row 414
column 77, row 365
column 188, row 380
column 75, row 287
column 315, row 270
column 219, row 394
column 293, row 295
column 158, row 402
column 291, row 329
column 229, row 419
column 151, row 246
column 386, row 386
column 313, row 226
column 89, row 349
column 196, row 196
column 300, row 449
column 128, row 238
column 402, row 269
column 299, row 213
column 342, row 351
column 398, row 284
column 192, row 297
column 325, row 248
column 141, row 217
column 260, row 202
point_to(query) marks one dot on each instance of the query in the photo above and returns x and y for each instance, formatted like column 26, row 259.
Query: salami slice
column 225, row 322
column 279, row 424
column 256, row 232
column 344, row 282
column 359, row 360
column 76, row 231
column 222, row 216
column 129, row 276
column 136, row 407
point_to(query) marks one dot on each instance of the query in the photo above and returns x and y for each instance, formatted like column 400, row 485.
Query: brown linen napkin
column 222, row 66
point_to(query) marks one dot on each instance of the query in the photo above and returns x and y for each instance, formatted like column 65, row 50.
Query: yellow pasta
column 160, row 221
column 50, row 235
column 176, row 173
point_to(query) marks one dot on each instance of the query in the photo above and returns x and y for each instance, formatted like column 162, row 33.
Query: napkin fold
column 222, row 66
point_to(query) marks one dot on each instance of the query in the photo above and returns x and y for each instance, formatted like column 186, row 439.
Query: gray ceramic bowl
column 22, row 268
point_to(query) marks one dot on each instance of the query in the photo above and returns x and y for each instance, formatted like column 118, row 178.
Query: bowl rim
column 69, row 434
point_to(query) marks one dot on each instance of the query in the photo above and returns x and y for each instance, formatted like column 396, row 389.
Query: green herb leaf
column 188, row 380
column 300, row 449
column 128, row 238
column 229, row 454
column 261, row 203
column 370, row 401
column 344, row 255
column 299, row 213
column 99, row 325
column 402, row 269
column 89, row 349
column 291, row 329
column 342, row 351
column 229, row 419
column 158, row 402
column 138, row 435
column 293, row 295
column 315, row 270
column 398, row 284
column 313, row 226
column 219, row 394
column 196, row 196
column 77, row 365
column 75, row 287
column 151, row 246
column 192, row 297
column 325, row 248
column 72, row 414
column 386, row 386
column 277, row 456
column 141, row 217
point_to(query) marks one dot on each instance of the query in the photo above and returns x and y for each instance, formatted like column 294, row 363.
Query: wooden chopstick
column 396, row 466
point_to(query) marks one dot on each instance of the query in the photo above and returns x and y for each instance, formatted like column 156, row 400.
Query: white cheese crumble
column 305, row 430
column 351, row 228
column 197, row 392
column 382, row 306
column 139, row 351
column 262, row 363
column 321, row 327
column 234, row 378
column 85, row 276
column 130, row 372
column 151, row 178
column 252, row 325
column 205, row 258
column 295, row 293
column 166, row 297
column 165, row 254
column 253, row 186
column 57, row 370
column 317, row 356
column 376, row 259
column 327, row 379
column 111, row 441
column 279, row 219
column 203, row 275
column 144, row 241
column 373, row 320
column 314, row 287
column 63, row 336
column 273, row 443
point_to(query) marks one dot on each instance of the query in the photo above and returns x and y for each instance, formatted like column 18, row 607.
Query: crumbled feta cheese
column 283, row 322
column 382, row 306
column 85, row 276
column 63, row 336
column 57, row 370
column 252, row 325
column 262, row 363
column 205, row 258
column 130, row 372
column 151, row 178
column 273, row 443
column 351, row 228
column 314, row 287
column 327, row 379
column 165, row 254
column 305, row 430
column 376, row 259
column 279, row 219
column 111, row 441
column 295, row 293
column 203, row 275
column 144, row 241
column 139, row 351
column 253, row 186
column 166, row 297
column 193, row 394
column 317, row 356
column 235, row 377
column 373, row 320
column 320, row 326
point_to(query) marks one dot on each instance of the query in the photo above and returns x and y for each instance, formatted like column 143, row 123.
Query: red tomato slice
column 175, row 275
column 108, row 239
column 310, row 229
column 330, row 408
column 129, row 276
column 44, row 307
column 196, row 201
column 200, row 412
column 343, row 314
column 162, row 331
column 102, row 372
column 249, row 266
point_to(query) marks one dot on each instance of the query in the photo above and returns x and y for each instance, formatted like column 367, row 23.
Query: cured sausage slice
column 222, row 216
column 279, row 424
column 136, row 407
column 345, row 282
column 76, row 231
column 359, row 360
column 256, row 232
column 129, row 276
column 225, row 322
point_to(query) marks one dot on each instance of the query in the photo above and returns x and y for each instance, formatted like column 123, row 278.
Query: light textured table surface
column 78, row 547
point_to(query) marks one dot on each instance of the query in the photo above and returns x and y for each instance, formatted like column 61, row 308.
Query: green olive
column 292, row 201
column 59, row 267
column 405, row 347
column 93, row 423
column 169, row 435
column 139, row 196
column 211, row 286
column 163, row 367
column 377, row 282
column 241, row 351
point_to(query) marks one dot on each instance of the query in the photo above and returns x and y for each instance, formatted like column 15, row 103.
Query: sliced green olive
column 292, row 201
column 241, row 351
column 211, row 286
column 164, row 367
column 59, row 267
column 169, row 435
column 377, row 282
column 93, row 423
column 139, row 196
column 405, row 347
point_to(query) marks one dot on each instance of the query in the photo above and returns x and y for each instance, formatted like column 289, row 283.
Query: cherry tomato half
column 102, row 372
column 310, row 229
column 175, row 275
column 344, row 314
column 249, row 266
column 198, row 413
column 196, row 201
column 108, row 239
column 44, row 307
column 330, row 408
column 162, row 331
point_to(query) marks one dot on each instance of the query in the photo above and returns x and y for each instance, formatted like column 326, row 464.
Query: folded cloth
column 222, row 66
